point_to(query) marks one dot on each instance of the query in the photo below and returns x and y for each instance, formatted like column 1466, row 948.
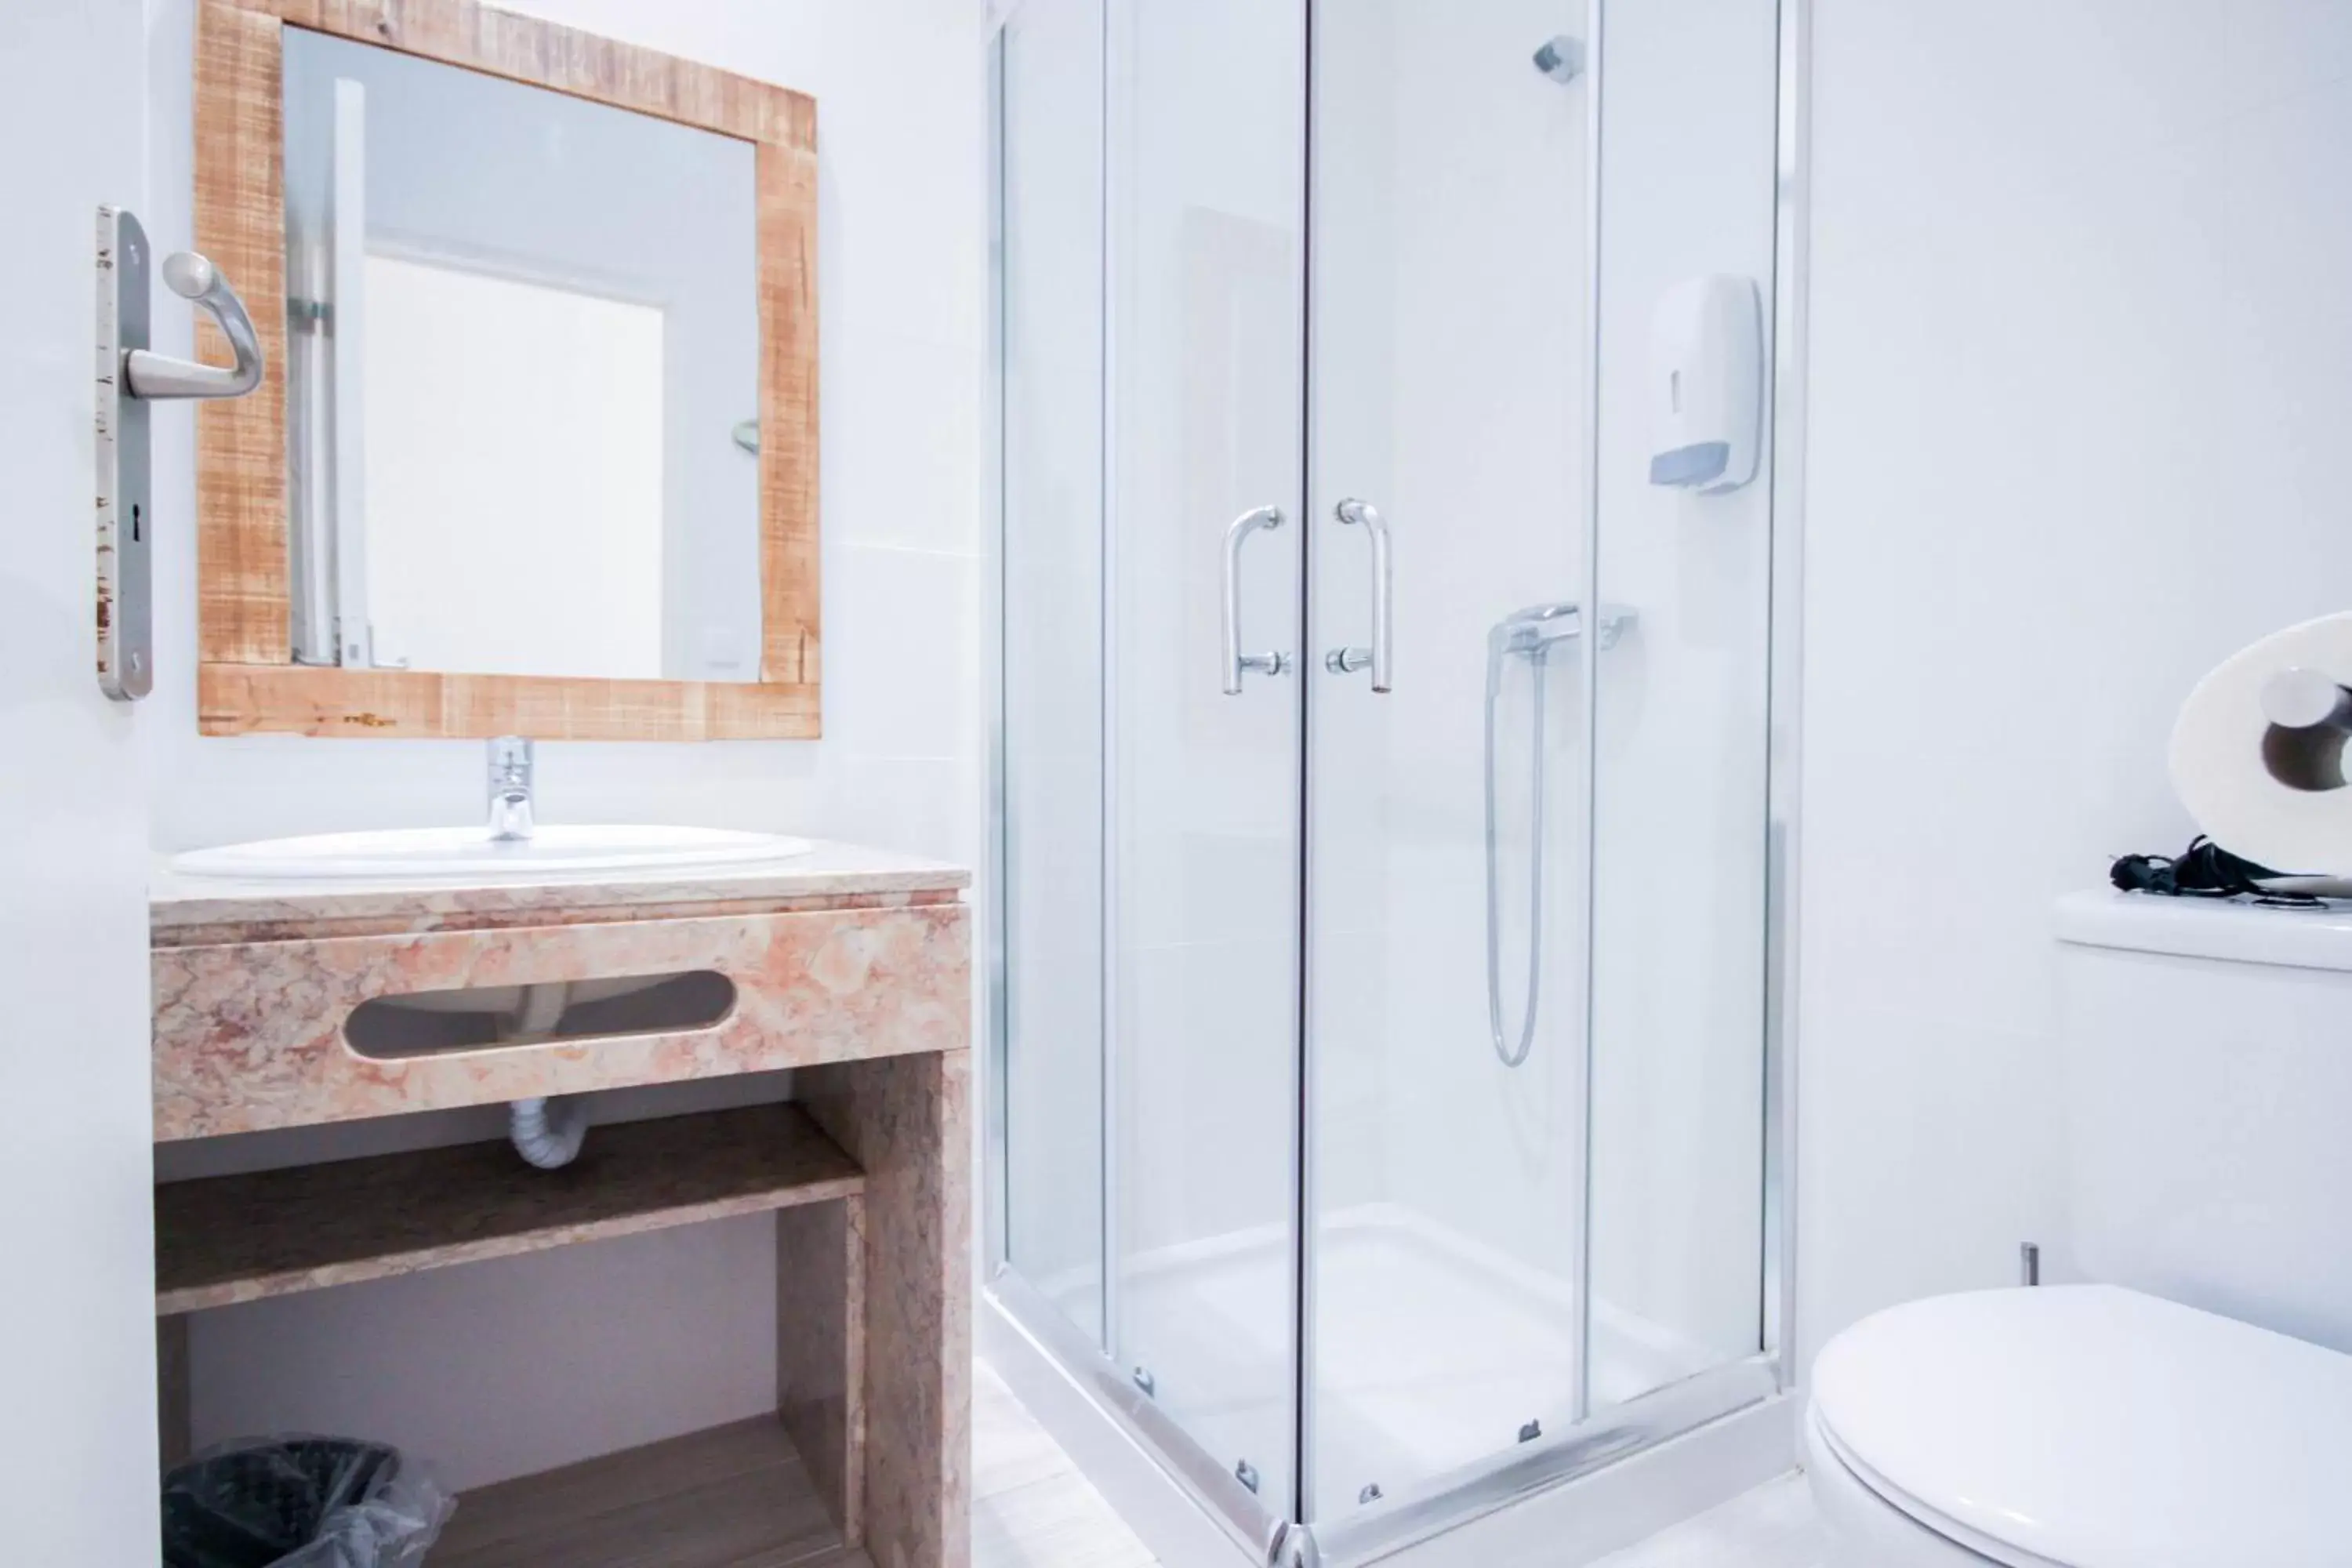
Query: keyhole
column 134, row 522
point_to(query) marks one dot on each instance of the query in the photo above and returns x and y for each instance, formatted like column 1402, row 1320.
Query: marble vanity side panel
column 250, row 1035
column 907, row 1119
column 821, row 1351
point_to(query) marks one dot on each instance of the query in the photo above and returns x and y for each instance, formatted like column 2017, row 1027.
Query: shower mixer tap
column 1534, row 629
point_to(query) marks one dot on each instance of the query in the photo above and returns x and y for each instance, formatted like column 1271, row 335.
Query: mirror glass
column 524, row 361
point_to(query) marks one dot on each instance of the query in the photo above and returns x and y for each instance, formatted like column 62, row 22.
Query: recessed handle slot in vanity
column 474, row 1017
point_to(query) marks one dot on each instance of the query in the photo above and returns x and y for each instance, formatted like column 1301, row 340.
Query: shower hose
column 1513, row 1053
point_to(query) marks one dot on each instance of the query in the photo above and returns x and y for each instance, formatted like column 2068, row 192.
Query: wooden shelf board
column 226, row 1240
column 732, row 1496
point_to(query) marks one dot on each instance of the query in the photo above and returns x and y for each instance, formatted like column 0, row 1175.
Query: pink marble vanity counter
column 184, row 909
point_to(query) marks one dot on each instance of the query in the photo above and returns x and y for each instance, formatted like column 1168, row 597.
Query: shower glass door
column 1536, row 769
column 1447, row 828
column 1383, row 763
column 1205, row 263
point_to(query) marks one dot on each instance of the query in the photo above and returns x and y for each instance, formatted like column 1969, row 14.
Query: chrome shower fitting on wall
column 1561, row 57
column 130, row 377
column 1530, row 634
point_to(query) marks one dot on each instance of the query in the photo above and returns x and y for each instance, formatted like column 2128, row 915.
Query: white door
column 77, row 1446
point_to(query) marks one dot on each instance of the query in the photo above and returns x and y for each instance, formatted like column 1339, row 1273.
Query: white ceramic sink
column 470, row 854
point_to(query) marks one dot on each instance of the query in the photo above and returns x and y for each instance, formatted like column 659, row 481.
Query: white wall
column 2078, row 403
column 541, row 483
column 900, row 258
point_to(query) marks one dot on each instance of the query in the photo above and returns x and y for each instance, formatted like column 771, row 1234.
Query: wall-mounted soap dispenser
column 1706, row 384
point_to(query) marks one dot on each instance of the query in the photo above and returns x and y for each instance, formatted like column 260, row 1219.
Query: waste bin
column 300, row 1502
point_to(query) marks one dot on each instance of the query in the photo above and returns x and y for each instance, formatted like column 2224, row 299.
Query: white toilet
column 2146, row 1421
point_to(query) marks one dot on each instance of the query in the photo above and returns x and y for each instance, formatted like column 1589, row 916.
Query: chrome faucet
column 511, row 820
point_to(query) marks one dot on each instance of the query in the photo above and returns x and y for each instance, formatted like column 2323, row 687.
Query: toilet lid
column 2097, row 1427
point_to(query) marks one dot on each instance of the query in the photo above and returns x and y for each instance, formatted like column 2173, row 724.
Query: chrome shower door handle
column 1237, row 662
column 1343, row 660
column 154, row 377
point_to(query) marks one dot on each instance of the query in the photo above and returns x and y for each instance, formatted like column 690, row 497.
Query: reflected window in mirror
column 524, row 362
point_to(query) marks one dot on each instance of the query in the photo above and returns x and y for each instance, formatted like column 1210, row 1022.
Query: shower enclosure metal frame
column 1017, row 1319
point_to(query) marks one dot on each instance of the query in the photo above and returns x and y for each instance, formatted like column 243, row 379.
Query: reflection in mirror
column 525, row 337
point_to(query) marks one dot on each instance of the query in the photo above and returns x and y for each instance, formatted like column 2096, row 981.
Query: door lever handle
column 155, row 377
column 129, row 378
column 1237, row 662
column 1347, row 660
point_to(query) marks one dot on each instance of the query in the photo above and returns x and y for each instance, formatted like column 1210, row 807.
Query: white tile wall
column 901, row 254
column 2077, row 403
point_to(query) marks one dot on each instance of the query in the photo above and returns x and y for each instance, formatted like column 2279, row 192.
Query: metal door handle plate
column 130, row 377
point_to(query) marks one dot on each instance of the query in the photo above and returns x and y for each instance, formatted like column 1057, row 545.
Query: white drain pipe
column 546, row 1132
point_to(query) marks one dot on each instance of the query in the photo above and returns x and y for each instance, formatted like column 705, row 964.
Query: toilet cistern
column 510, row 814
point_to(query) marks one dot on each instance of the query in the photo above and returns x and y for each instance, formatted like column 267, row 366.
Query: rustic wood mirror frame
column 248, row 680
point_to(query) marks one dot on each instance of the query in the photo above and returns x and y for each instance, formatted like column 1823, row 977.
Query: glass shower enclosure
column 1383, row 1110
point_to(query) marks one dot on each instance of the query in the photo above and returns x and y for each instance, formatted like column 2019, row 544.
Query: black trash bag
column 300, row 1502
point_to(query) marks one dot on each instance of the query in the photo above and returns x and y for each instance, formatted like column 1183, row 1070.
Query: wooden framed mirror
column 536, row 450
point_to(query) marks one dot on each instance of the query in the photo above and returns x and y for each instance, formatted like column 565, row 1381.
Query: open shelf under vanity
column 763, row 1493
column 226, row 1240
column 735, row 1496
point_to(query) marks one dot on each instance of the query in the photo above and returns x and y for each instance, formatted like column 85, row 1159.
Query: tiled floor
column 1032, row 1508
column 1772, row 1527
